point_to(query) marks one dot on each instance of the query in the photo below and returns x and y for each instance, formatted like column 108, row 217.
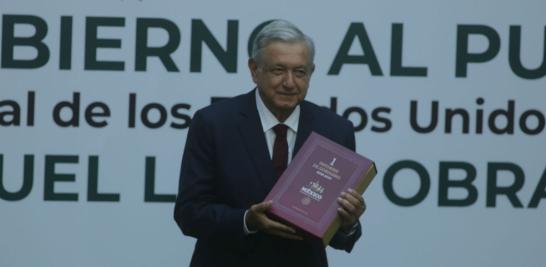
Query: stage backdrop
column 448, row 97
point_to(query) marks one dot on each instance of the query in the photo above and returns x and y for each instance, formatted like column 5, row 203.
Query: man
column 237, row 148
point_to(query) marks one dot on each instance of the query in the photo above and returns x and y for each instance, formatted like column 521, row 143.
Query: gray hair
column 283, row 31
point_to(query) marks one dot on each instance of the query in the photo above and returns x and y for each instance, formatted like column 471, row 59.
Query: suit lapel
column 253, row 137
column 305, row 126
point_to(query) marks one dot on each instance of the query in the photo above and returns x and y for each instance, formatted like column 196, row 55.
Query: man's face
column 282, row 77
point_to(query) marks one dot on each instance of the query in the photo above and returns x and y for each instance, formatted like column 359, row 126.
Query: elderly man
column 237, row 148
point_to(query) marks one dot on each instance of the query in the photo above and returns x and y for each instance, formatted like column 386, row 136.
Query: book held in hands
column 305, row 196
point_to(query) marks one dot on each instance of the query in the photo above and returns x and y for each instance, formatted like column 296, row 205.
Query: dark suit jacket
column 226, row 168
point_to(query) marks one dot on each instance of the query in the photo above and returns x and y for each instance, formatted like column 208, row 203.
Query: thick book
column 305, row 196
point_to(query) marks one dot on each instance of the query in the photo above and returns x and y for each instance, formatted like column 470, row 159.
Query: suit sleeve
column 198, row 211
column 341, row 240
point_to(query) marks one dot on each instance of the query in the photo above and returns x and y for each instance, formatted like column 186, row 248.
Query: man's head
column 281, row 66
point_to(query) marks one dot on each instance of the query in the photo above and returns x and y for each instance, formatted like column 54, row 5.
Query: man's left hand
column 351, row 207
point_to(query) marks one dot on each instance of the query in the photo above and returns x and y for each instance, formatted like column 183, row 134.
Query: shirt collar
column 269, row 120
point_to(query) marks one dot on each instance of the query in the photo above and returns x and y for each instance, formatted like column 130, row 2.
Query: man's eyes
column 300, row 73
column 278, row 71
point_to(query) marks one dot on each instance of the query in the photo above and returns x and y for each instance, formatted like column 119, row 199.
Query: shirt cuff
column 352, row 231
column 245, row 228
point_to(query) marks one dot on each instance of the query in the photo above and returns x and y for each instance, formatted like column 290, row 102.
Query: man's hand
column 351, row 207
column 256, row 219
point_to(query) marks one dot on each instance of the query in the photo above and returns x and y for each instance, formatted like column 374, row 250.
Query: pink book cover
column 306, row 194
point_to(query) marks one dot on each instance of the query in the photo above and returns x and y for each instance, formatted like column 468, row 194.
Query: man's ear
column 253, row 67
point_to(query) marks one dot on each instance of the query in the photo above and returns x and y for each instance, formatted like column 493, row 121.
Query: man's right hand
column 257, row 220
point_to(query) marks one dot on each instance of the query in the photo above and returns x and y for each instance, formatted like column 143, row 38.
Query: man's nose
column 288, row 81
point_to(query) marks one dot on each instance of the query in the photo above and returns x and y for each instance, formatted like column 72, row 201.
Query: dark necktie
column 280, row 149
